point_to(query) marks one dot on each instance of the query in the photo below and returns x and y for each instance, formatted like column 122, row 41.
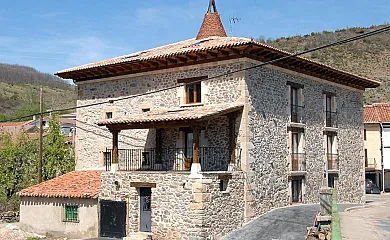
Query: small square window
column 223, row 184
column 193, row 92
column 108, row 115
column 71, row 214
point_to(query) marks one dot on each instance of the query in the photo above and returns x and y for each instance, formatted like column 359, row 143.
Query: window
column 366, row 157
column 71, row 214
column 331, row 151
column 365, row 134
column 298, row 162
column 193, row 89
column 223, row 184
column 330, row 110
column 296, row 99
column 193, row 93
column 108, row 115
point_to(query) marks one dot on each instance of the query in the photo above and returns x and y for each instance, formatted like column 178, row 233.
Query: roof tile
column 377, row 113
column 76, row 184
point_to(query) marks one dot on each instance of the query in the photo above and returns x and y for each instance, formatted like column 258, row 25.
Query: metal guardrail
column 331, row 119
column 171, row 159
column 370, row 163
column 333, row 161
column 297, row 113
column 298, row 162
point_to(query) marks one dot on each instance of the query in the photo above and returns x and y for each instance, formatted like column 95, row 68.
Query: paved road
column 371, row 222
column 288, row 223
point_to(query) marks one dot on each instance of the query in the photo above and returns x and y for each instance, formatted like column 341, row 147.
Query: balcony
column 331, row 119
column 370, row 164
column 172, row 159
column 333, row 161
column 296, row 113
column 298, row 162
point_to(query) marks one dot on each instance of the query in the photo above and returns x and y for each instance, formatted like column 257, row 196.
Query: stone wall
column 92, row 140
column 269, row 117
column 182, row 207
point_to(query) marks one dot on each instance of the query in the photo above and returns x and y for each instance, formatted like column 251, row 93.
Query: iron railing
column 331, row 119
column 298, row 162
column 333, row 161
column 171, row 159
column 296, row 113
column 370, row 163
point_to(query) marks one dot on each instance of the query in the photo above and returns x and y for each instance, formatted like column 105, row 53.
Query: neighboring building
column 68, row 206
column 377, row 143
column 31, row 127
column 196, row 141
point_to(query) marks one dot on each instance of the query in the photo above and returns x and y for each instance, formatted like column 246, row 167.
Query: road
column 288, row 223
column 370, row 222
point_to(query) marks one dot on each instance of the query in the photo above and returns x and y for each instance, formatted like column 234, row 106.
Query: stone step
column 138, row 236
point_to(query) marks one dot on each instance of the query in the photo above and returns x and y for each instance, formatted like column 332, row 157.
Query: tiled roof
column 76, row 184
column 377, row 113
column 14, row 124
column 178, row 114
column 211, row 26
column 180, row 48
column 71, row 121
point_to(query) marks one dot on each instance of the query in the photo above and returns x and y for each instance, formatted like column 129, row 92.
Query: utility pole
column 40, row 136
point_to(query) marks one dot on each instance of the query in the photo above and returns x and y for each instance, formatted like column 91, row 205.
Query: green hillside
column 19, row 91
column 369, row 57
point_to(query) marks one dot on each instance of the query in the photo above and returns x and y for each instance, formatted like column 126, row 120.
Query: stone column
column 114, row 160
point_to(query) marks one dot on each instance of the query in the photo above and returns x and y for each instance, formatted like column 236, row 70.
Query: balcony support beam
column 114, row 163
column 196, row 168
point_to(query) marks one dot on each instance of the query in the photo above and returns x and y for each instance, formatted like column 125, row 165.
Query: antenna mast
column 233, row 20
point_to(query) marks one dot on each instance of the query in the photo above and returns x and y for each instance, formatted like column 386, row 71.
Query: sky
column 52, row 35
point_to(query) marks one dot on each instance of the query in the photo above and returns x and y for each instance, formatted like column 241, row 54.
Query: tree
column 18, row 161
column 57, row 157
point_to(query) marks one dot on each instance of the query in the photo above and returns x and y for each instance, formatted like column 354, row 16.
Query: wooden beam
column 196, row 152
column 202, row 55
column 193, row 58
column 115, row 134
column 235, row 51
column 143, row 184
column 213, row 54
column 182, row 59
column 224, row 52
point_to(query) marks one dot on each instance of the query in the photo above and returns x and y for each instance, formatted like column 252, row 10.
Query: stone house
column 194, row 140
column 377, row 144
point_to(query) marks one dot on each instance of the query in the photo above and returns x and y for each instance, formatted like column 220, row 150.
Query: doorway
column 112, row 219
column 145, row 209
column 296, row 190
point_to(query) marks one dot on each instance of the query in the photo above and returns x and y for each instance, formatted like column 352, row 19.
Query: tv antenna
column 233, row 20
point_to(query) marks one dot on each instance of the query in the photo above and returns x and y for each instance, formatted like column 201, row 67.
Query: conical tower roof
column 212, row 24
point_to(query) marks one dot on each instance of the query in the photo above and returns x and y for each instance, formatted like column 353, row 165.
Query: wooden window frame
column 196, row 85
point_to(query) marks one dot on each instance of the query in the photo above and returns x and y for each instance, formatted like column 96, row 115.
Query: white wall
column 386, row 147
column 45, row 216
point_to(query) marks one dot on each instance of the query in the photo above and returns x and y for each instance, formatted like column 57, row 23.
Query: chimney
column 212, row 24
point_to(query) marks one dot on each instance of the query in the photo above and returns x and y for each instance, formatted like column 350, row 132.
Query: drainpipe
column 383, row 165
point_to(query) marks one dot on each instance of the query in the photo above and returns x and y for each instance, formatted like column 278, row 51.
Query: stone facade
column 190, row 208
column 92, row 140
column 182, row 207
column 269, row 118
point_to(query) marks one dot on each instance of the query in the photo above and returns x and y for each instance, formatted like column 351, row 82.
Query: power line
column 348, row 40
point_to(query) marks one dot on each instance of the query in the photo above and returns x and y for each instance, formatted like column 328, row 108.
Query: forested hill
column 369, row 57
column 19, row 91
